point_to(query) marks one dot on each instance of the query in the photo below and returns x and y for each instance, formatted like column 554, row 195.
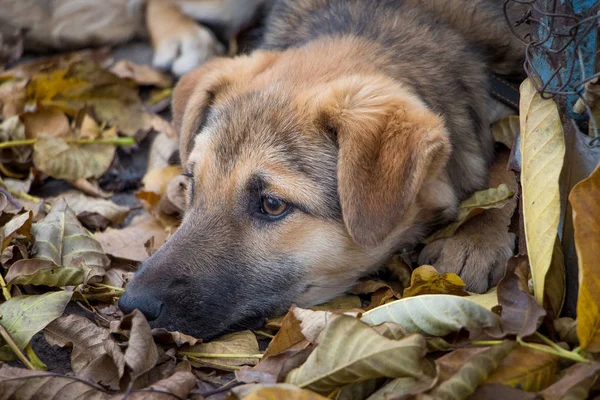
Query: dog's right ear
column 197, row 90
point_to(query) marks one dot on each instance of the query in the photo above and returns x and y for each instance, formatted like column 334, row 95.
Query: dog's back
column 442, row 49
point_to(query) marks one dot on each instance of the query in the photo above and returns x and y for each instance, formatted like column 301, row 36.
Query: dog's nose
column 148, row 305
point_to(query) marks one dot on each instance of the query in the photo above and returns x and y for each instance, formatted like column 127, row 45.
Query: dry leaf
column 527, row 369
column 141, row 354
column 141, row 74
column 12, row 129
column 20, row 225
column 179, row 339
column 12, row 97
column 94, row 213
column 161, row 151
column 89, row 187
column 95, row 355
column 476, row 204
column 340, row 304
column 425, row 280
column 575, row 384
column 542, row 155
column 567, row 330
column 241, row 343
column 46, row 122
column 331, row 365
column 289, row 335
column 273, row 392
column 128, row 243
column 61, row 239
column 180, row 384
column 505, row 130
column 586, row 220
column 24, row 316
column 36, row 271
column 153, row 195
column 401, row 387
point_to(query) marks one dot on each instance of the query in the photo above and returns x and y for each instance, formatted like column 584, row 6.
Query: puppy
column 179, row 42
column 357, row 127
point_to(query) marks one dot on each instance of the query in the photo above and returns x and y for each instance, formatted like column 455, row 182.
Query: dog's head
column 297, row 184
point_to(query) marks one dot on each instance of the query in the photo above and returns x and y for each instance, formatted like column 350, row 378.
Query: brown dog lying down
column 179, row 43
column 357, row 127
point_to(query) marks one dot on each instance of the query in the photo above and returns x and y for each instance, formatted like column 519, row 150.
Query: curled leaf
column 94, row 213
column 36, row 271
column 505, row 130
column 425, row 280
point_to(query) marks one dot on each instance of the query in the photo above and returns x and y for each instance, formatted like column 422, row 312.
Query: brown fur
column 367, row 117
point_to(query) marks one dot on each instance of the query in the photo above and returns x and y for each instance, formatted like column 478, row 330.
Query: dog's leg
column 480, row 248
column 179, row 42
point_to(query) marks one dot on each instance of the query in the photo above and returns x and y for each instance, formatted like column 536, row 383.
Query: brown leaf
column 273, row 392
column 312, row 322
column 141, row 74
column 274, row 369
column 241, row 348
column 501, row 392
column 340, row 304
column 567, row 330
column 521, row 314
column 94, row 213
column 575, row 383
column 381, row 292
column 95, row 355
column 12, row 129
column 12, row 97
column 128, row 243
column 154, row 193
column 89, row 187
column 35, row 271
column 289, row 335
column 425, row 280
column 180, row 384
column 23, row 384
column 20, row 225
column 177, row 338
column 141, row 354
column 46, row 122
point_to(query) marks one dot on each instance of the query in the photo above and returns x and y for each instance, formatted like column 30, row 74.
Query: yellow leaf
column 476, row 204
column 584, row 199
column 505, row 129
column 542, row 153
column 425, row 280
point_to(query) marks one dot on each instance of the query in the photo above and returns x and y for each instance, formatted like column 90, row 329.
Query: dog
column 180, row 43
column 357, row 127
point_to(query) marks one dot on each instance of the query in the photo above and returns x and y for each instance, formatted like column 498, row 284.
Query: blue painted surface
column 588, row 50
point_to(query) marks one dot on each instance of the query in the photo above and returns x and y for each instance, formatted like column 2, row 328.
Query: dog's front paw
column 478, row 258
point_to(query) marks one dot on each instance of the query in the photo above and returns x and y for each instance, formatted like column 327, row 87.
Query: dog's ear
column 389, row 143
column 197, row 90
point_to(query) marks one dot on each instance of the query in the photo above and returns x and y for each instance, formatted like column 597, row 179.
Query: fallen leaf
column 43, row 272
column 542, row 154
column 81, row 84
column 567, row 330
column 12, row 97
column 521, row 314
column 95, row 356
column 177, row 338
column 501, row 392
column 158, row 101
column 290, row 334
column 20, row 185
column 128, row 243
column 272, row 369
column 527, row 369
column 331, row 365
column 425, row 280
column 586, row 220
column 357, row 391
column 61, row 239
column 23, row 384
column 434, row 315
column 141, row 74
column 12, row 129
column 505, row 130
column 20, row 225
column 141, row 354
column 89, row 187
column 178, row 385
column 312, row 322
column 472, row 373
column 154, row 193
column 575, row 383
column 24, row 316
column 340, row 304
column 274, row 392
column 238, row 345
column 46, row 122
column 161, row 151
column 94, row 213
column 476, row 204
column 555, row 287
column 381, row 292
column 487, row 300
column 400, row 387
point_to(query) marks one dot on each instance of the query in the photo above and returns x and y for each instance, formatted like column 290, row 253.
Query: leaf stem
column 265, row 334
column 486, row 342
column 549, row 342
column 216, row 355
column 119, row 141
column 562, row 353
column 5, row 291
column 101, row 296
column 21, row 195
column 13, row 346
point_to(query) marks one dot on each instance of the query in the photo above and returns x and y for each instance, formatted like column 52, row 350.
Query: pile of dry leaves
column 407, row 333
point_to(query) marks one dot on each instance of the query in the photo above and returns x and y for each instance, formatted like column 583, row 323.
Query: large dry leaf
column 425, row 280
column 575, row 384
column 141, row 354
column 289, row 334
column 472, row 373
column 400, row 387
column 24, row 316
column 505, row 130
column 46, row 122
column 61, row 239
column 129, row 243
column 94, row 213
column 586, row 220
column 43, row 272
column 178, row 385
column 542, row 155
column 23, row 384
column 434, row 315
column 62, row 160
column 81, row 84
column 274, row 392
column 474, row 205
column 521, row 314
column 332, row 365
column 95, row 356
column 241, row 343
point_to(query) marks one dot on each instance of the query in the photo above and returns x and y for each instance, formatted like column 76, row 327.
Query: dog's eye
column 273, row 207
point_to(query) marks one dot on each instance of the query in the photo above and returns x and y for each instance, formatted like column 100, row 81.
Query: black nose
column 148, row 305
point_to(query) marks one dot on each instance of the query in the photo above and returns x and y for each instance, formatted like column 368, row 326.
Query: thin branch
column 13, row 346
column 118, row 141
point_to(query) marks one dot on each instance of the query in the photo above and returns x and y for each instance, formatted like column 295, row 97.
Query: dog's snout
column 150, row 306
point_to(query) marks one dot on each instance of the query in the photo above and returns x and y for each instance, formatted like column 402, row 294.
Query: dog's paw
column 186, row 48
column 479, row 259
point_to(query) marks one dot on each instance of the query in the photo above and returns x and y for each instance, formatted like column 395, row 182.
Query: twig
column 13, row 346
column 265, row 334
column 215, row 355
column 563, row 353
column 21, row 195
column 101, row 296
column 5, row 291
column 119, row 141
